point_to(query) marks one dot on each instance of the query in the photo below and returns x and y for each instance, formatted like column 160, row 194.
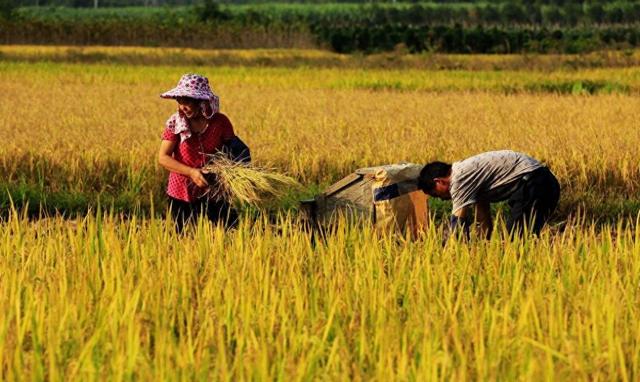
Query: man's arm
column 461, row 212
column 459, row 221
column 483, row 219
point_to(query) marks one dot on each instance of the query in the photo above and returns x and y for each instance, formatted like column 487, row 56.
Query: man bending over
column 531, row 189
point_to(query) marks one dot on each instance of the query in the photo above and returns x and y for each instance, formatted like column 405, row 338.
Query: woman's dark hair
column 188, row 99
column 431, row 171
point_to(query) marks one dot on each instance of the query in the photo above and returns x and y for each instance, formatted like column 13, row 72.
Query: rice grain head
column 245, row 182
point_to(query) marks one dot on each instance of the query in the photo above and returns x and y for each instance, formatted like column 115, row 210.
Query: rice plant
column 244, row 182
column 118, row 295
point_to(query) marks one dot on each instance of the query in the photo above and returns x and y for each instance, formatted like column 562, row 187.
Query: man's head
column 435, row 179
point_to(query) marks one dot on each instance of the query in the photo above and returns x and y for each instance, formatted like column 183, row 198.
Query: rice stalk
column 245, row 182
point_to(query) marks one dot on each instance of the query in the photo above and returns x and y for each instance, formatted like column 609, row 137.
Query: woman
column 194, row 131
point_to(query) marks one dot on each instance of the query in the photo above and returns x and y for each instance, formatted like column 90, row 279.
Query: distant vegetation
column 470, row 27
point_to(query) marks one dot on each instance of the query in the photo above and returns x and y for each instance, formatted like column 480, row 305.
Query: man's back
column 489, row 176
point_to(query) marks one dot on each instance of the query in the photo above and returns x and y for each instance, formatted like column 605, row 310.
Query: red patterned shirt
column 192, row 151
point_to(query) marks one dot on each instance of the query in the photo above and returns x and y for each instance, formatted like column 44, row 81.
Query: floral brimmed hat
column 197, row 87
column 192, row 86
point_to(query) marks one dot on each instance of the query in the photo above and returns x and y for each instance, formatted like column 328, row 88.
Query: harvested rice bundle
column 245, row 182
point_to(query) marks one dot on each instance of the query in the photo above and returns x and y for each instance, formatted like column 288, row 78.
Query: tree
column 596, row 13
column 210, row 10
column 552, row 15
column 6, row 8
column 513, row 13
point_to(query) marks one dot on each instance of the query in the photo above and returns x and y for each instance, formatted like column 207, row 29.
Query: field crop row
column 107, row 298
column 110, row 292
column 77, row 134
column 307, row 58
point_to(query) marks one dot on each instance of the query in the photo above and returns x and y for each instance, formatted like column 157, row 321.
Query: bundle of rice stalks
column 245, row 182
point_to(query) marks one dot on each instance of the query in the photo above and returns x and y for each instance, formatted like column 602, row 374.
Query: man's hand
column 197, row 178
column 458, row 221
column 483, row 218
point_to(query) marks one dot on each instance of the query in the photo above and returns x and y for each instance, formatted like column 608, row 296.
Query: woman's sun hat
column 197, row 87
column 192, row 86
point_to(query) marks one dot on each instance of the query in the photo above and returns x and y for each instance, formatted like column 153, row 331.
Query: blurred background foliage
column 368, row 27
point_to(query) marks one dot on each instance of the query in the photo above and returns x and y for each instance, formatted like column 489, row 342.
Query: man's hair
column 431, row 171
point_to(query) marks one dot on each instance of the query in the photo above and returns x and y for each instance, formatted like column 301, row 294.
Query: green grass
column 89, row 14
column 267, row 8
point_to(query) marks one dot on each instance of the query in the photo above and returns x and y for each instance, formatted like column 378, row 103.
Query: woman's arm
column 166, row 160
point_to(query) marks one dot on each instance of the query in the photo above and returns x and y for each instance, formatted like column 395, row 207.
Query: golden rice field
column 117, row 295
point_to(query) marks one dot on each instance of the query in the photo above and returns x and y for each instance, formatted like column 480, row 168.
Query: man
column 531, row 189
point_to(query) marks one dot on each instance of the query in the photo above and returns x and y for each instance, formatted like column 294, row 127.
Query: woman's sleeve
column 168, row 134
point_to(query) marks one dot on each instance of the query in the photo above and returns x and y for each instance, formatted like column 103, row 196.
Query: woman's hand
column 197, row 178
column 167, row 161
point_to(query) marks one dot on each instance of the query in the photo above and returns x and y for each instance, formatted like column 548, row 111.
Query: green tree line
column 129, row 3
column 494, row 13
column 517, row 26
